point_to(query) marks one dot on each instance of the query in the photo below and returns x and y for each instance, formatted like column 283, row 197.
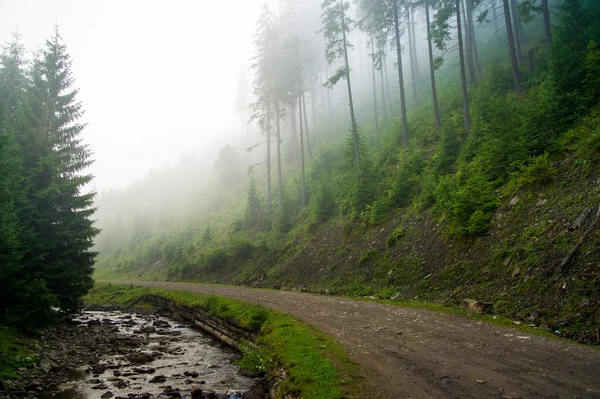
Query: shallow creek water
column 167, row 360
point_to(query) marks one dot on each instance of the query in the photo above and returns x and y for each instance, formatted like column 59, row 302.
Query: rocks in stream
column 103, row 353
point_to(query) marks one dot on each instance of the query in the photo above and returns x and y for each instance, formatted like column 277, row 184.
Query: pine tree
column 61, row 255
column 336, row 27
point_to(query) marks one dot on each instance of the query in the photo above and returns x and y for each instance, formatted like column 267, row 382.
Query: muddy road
column 417, row 353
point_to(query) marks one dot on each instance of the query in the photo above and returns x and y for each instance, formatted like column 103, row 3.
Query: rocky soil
column 109, row 354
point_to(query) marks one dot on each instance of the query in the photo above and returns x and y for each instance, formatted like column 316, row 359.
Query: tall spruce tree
column 60, row 218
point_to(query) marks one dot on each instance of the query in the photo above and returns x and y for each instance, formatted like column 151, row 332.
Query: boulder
column 475, row 306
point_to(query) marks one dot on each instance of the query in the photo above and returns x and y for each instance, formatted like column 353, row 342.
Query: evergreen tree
column 336, row 26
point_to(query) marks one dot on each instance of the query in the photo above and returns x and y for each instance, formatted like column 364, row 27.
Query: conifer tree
column 336, row 27
column 63, row 230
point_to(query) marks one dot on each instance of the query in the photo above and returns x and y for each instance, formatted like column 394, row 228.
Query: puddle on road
column 170, row 359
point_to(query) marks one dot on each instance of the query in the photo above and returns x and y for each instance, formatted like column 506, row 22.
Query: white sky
column 156, row 78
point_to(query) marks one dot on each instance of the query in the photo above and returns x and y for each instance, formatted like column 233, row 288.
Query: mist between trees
column 349, row 110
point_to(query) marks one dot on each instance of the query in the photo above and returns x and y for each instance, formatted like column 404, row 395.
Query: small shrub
column 258, row 318
column 394, row 237
column 538, row 172
column 254, row 359
column 368, row 255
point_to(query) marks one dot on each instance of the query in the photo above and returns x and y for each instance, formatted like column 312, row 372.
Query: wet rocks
column 141, row 357
column 158, row 379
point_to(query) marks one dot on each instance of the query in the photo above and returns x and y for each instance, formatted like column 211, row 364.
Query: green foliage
column 46, row 230
column 394, row 237
column 368, row 256
column 537, row 172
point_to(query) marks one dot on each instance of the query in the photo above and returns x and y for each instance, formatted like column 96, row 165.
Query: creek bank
column 106, row 353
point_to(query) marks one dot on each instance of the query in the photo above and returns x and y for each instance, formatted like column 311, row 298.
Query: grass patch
column 15, row 353
column 315, row 364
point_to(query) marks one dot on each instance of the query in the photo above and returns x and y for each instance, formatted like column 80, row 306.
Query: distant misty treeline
column 46, row 227
column 360, row 109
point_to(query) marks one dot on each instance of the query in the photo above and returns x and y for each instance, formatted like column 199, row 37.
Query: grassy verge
column 15, row 352
column 315, row 365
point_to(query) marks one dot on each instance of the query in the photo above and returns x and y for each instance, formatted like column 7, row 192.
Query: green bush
column 368, row 255
column 394, row 237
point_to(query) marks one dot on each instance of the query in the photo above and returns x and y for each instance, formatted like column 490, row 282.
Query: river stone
column 107, row 394
column 476, row 306
column 157, row 379
column 196, row 392
column 140, row 358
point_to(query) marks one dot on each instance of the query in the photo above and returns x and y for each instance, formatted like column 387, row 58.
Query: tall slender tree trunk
column 387, row 83
column 322, row 95
column 302, row 148
column 413, row 25
column 312, row 104
column 293, row 134
column 374, row 87
column 469, row 47
column 413, row 77
column 383, row 93
column 515, row 31
column 278, row 132
column 269, row 199
column 351, row 103
column 511, row 49
column 436, row 112
column 547, row 30
column 473, row 42
column 328, row 96
column 463, row 78
column 306, row 127
column 495, row 16
column 519, row 24
column 400, row 77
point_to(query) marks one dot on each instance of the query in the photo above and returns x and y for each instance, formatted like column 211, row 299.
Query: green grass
column 315, row 364
column 15, row 353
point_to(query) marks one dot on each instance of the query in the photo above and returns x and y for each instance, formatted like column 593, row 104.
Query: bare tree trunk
column 293, row 134
column 414, row 37
column 306, row 127
column 436, row 112
column 302, row 148
column 278, row 132
column 351, row 103
column 463, row 78
column 511, row 49
column 514, row 29
column 269, row 200
column 383, row 94
column 400, row 77
column 374, row 87
column 547, row 30
column 312, row 105
column 322, row 95
column 387, row 83
column 473, row 42
column 469, row 47
column 495, row 16
column 413, row 77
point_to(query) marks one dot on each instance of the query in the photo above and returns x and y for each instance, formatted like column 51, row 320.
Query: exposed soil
column 417, row 353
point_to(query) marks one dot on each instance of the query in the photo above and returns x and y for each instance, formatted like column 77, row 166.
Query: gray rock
column 476, row 306
column 107, row 394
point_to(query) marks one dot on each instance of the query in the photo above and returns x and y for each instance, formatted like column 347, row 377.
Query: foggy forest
column 409, row 151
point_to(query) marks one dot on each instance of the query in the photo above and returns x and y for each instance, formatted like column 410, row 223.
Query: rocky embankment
column 104, row 353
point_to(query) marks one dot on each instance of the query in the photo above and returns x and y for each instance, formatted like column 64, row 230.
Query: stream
column 113, row 354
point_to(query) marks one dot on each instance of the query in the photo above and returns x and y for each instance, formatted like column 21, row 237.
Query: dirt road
column 416, row 353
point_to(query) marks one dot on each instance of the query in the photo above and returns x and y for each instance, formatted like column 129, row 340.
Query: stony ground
column 417, row 353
